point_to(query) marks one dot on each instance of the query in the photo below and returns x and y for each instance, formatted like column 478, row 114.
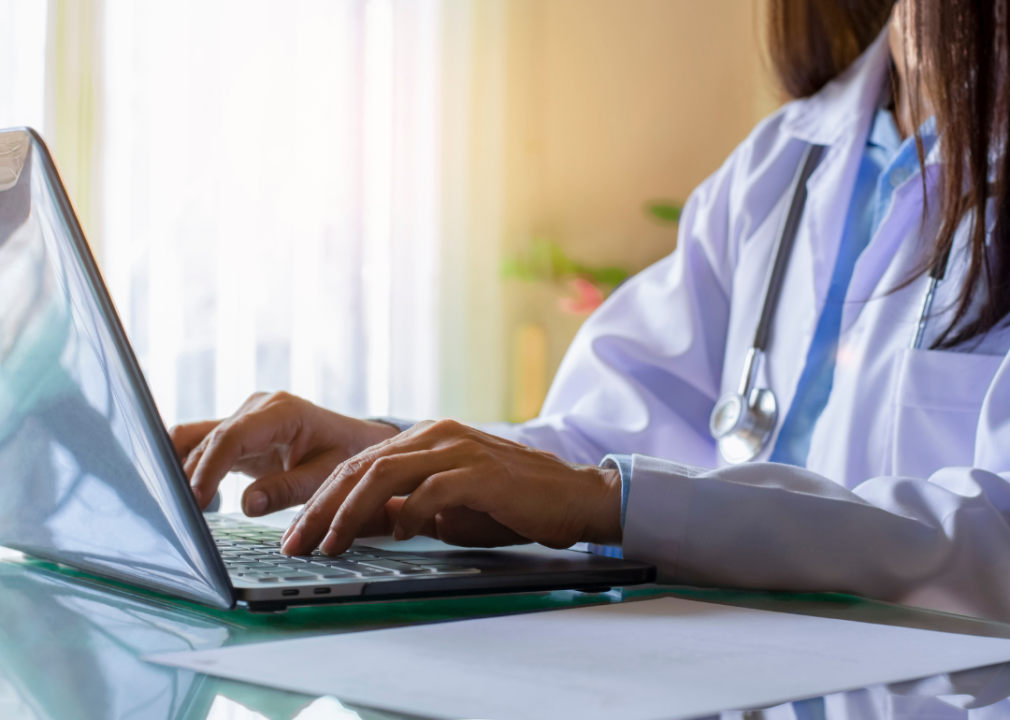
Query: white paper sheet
column 662, row 658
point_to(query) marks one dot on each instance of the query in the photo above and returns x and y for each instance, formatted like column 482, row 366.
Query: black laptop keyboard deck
column 252, row 553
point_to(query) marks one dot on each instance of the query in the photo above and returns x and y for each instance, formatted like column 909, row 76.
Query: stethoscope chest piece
column 742, row 425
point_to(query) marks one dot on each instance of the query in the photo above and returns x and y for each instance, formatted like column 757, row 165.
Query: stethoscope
column 743, row 422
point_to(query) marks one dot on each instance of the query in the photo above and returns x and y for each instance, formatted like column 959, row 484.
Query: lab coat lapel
column 839, row 116
column 904, row 216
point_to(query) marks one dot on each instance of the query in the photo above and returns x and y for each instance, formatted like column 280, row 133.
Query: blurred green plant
column 545, row 261
column 664, row 211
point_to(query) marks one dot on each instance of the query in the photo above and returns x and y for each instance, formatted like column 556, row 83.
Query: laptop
column 89, row 477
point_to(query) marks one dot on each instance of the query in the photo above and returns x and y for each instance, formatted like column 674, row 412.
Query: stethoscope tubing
column 811, row 159
column 776, row 277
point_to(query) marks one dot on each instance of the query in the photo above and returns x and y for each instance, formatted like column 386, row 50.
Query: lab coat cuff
column 657, row 519
column 621, row 463
column 399, row 424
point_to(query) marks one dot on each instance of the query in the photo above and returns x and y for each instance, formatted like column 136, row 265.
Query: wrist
column 372, row 432
column 604, row 525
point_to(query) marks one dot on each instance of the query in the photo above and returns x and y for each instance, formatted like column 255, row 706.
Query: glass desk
column 70, row 647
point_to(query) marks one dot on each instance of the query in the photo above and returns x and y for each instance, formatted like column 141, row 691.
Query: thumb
column 282, row 490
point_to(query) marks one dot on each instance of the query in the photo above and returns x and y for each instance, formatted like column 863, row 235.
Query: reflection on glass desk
column 70, row 647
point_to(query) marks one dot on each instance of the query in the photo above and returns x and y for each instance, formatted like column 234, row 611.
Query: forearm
column 777, row 527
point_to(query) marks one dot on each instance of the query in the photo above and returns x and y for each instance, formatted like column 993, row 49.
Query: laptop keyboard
column 252, row 553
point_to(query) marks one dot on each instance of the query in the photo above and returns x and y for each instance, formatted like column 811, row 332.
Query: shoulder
column 764, row 163
column 738, row 198
column 766, row 160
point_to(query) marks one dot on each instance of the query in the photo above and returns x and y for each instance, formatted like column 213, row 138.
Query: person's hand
column 288, row 444
column 462, row 486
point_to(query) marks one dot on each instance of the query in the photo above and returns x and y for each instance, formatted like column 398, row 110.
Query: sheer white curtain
column 271, row 200
column 22, row 63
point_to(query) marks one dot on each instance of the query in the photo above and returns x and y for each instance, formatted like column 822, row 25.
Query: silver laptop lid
column 88, row 476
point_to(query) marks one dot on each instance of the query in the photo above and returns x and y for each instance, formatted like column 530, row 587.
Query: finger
column 379, row 525
column 229, row 442
column 336, row 516
column 454, row 526
column 441, row 491
column 187, row 436
column 253, row 402
column 282, row 490
column 382, row 522
column 388, row 477
column 470, row 528
column 332, row 492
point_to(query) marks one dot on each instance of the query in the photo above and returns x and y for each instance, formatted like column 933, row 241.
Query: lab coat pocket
column 938, row 397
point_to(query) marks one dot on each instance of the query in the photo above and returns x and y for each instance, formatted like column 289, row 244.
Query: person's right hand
column 289, row 446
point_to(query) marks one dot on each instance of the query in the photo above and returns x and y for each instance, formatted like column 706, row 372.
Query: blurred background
column 389, row 207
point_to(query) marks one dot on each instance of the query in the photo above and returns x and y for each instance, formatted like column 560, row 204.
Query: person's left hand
column 464, row 487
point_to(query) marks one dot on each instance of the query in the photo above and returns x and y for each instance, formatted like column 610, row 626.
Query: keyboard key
column 298, row 576
column 359, row 570
column 373, row 572
column 338, row 564
column 332, row 573
column 259, row 576
column 432, row 563
column 402, row 568
column 454, row 570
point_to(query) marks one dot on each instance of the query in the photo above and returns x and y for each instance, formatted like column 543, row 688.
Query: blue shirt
column 887, row 164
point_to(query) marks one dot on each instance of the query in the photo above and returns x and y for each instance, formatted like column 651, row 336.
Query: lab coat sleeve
column 644, row 371
column 942, row 543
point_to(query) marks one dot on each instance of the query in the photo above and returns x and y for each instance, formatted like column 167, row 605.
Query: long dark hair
column 962, row 47
column 810, row 42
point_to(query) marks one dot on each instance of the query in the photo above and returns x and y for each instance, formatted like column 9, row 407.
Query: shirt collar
column 884, row 134
column 906, row 149
column 845, row 102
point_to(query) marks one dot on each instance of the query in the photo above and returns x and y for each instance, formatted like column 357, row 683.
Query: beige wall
column 609, row 104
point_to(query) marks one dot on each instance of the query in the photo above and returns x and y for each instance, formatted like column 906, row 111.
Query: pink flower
column 585, row 298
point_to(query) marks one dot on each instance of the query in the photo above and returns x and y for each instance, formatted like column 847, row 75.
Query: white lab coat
column 905, row 497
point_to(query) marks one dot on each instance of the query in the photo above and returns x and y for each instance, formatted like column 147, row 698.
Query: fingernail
column 329, row 542
column 399, row 533
column 293, row 542
column 256, row 503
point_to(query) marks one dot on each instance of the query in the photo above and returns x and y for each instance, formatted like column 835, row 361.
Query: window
column 302, row 196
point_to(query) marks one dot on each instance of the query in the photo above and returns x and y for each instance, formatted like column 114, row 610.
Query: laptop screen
column 87, row 473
